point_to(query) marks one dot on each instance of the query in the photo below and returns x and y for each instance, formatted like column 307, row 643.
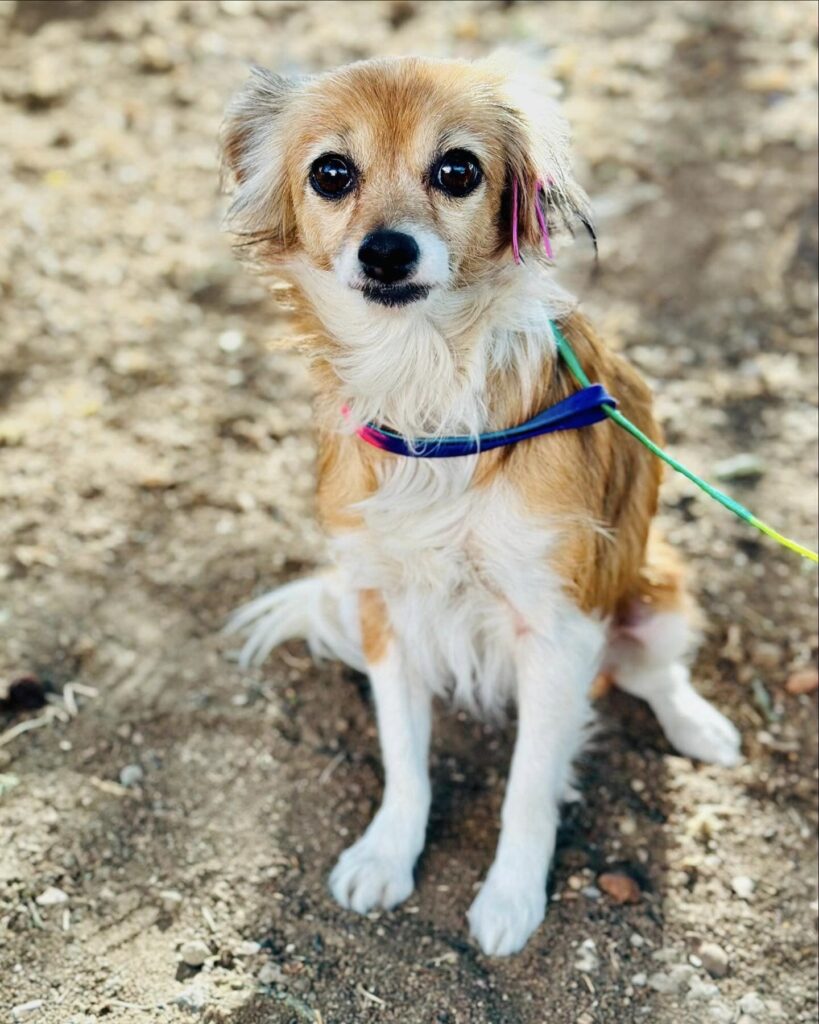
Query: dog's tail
column 317, row 609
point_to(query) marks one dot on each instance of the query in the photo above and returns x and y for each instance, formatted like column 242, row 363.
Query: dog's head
column 396, row 177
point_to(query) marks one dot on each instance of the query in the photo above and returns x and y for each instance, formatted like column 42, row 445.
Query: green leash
column 567, row 353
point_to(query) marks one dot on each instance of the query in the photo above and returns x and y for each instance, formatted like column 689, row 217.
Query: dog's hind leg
column 319, row 609
column 647, row 658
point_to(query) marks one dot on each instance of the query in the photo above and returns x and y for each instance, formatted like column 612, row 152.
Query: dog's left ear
column 538, row 154
column 253, row 159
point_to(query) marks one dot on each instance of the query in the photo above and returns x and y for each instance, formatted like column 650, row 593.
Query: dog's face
column 397, row 181
column 394, row 176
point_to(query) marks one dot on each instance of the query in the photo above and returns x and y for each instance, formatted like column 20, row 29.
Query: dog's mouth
column 394, row 294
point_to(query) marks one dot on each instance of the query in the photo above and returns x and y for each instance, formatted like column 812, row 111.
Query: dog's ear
column 537, row 146
column 253, row 161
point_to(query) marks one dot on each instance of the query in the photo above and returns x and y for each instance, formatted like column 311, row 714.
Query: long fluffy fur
column 514, row 575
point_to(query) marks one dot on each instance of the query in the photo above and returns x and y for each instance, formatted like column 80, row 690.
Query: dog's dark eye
column 332, row 176
column 457, row 173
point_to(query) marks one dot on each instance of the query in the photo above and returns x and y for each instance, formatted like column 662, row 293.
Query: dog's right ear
column 253, row 162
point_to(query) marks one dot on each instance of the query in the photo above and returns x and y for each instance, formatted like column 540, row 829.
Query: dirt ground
column 156, row 469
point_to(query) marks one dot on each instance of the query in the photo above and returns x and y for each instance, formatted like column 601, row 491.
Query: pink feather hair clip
column 541, row 219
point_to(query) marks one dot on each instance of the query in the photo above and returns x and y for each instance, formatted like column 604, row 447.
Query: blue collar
column 581, row 409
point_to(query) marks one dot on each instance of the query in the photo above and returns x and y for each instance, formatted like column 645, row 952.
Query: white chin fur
column 422, row 368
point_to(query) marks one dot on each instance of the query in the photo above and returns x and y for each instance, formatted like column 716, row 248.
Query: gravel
column 743, row 886
column 194, row 953
column 743, row 466
column 27, row 1011
column 700, row 990
column 51, row 897
column 752, row 1004
column 170, row 900
column 620, row 888
column 131, row 775
column 714, row 959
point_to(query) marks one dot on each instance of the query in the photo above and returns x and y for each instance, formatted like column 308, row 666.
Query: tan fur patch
column 375, row 626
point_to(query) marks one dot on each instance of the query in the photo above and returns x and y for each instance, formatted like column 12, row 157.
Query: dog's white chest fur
column 461, row 569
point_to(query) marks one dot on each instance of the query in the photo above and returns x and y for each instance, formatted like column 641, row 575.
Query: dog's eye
column 332, row 176
column 457, row 173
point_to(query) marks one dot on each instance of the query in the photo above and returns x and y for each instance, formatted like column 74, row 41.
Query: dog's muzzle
column 387, row 259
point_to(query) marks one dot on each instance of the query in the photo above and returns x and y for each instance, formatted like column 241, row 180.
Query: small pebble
column 639, row 980
column 591, row 892
column 170, row 900
column 194, row 953
column 131, row 775
column 665, row 956
column 51, row 897
column 193, row 998
column 231, row 341
column 806, row 680
column 714, row 959
column 25, row 1011
column 767, row 655
column 636, row 940
column 8, row 780
column 743, row 886
column 619, row 887
column 681, row 974
column 662, row 983
column 587, row 959
column 247, row 948
column 752, row 1005
column 271, row 974
column 743, row 466
column 700, row 990
column 676, row 979
column 155, row 55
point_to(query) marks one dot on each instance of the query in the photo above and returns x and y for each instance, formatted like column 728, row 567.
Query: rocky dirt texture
column 167, row 823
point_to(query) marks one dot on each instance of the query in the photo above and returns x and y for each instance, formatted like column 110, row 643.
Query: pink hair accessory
column 515, row 246
column 541, row 219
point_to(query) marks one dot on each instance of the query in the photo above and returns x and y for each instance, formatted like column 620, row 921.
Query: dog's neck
column 461, row 363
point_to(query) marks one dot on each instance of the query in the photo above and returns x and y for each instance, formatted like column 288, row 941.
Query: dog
column 403, row 203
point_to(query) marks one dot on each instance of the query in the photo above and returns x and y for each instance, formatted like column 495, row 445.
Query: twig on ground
column 329, row 769
column 370, row 996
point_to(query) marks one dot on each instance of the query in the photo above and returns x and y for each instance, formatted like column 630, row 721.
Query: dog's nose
column 388, row 256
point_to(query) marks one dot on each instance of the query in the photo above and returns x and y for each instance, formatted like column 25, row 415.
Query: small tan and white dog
column 382, row 193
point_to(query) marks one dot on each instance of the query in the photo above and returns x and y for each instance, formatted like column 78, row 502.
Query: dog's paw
column 505, row 913
column 368, row 875
column 696, row 729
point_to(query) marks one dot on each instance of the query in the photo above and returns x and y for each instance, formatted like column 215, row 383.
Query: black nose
column 388, row 256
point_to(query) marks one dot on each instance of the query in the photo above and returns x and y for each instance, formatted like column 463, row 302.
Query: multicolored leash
column 566, row 352
column 571, row 360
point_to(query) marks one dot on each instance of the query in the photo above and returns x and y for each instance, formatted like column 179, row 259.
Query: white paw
column 369, row 875
column 696, row 729
column 505, row 913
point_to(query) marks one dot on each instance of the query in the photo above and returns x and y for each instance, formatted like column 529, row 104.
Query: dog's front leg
column 377, row 871
column 553, row 681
